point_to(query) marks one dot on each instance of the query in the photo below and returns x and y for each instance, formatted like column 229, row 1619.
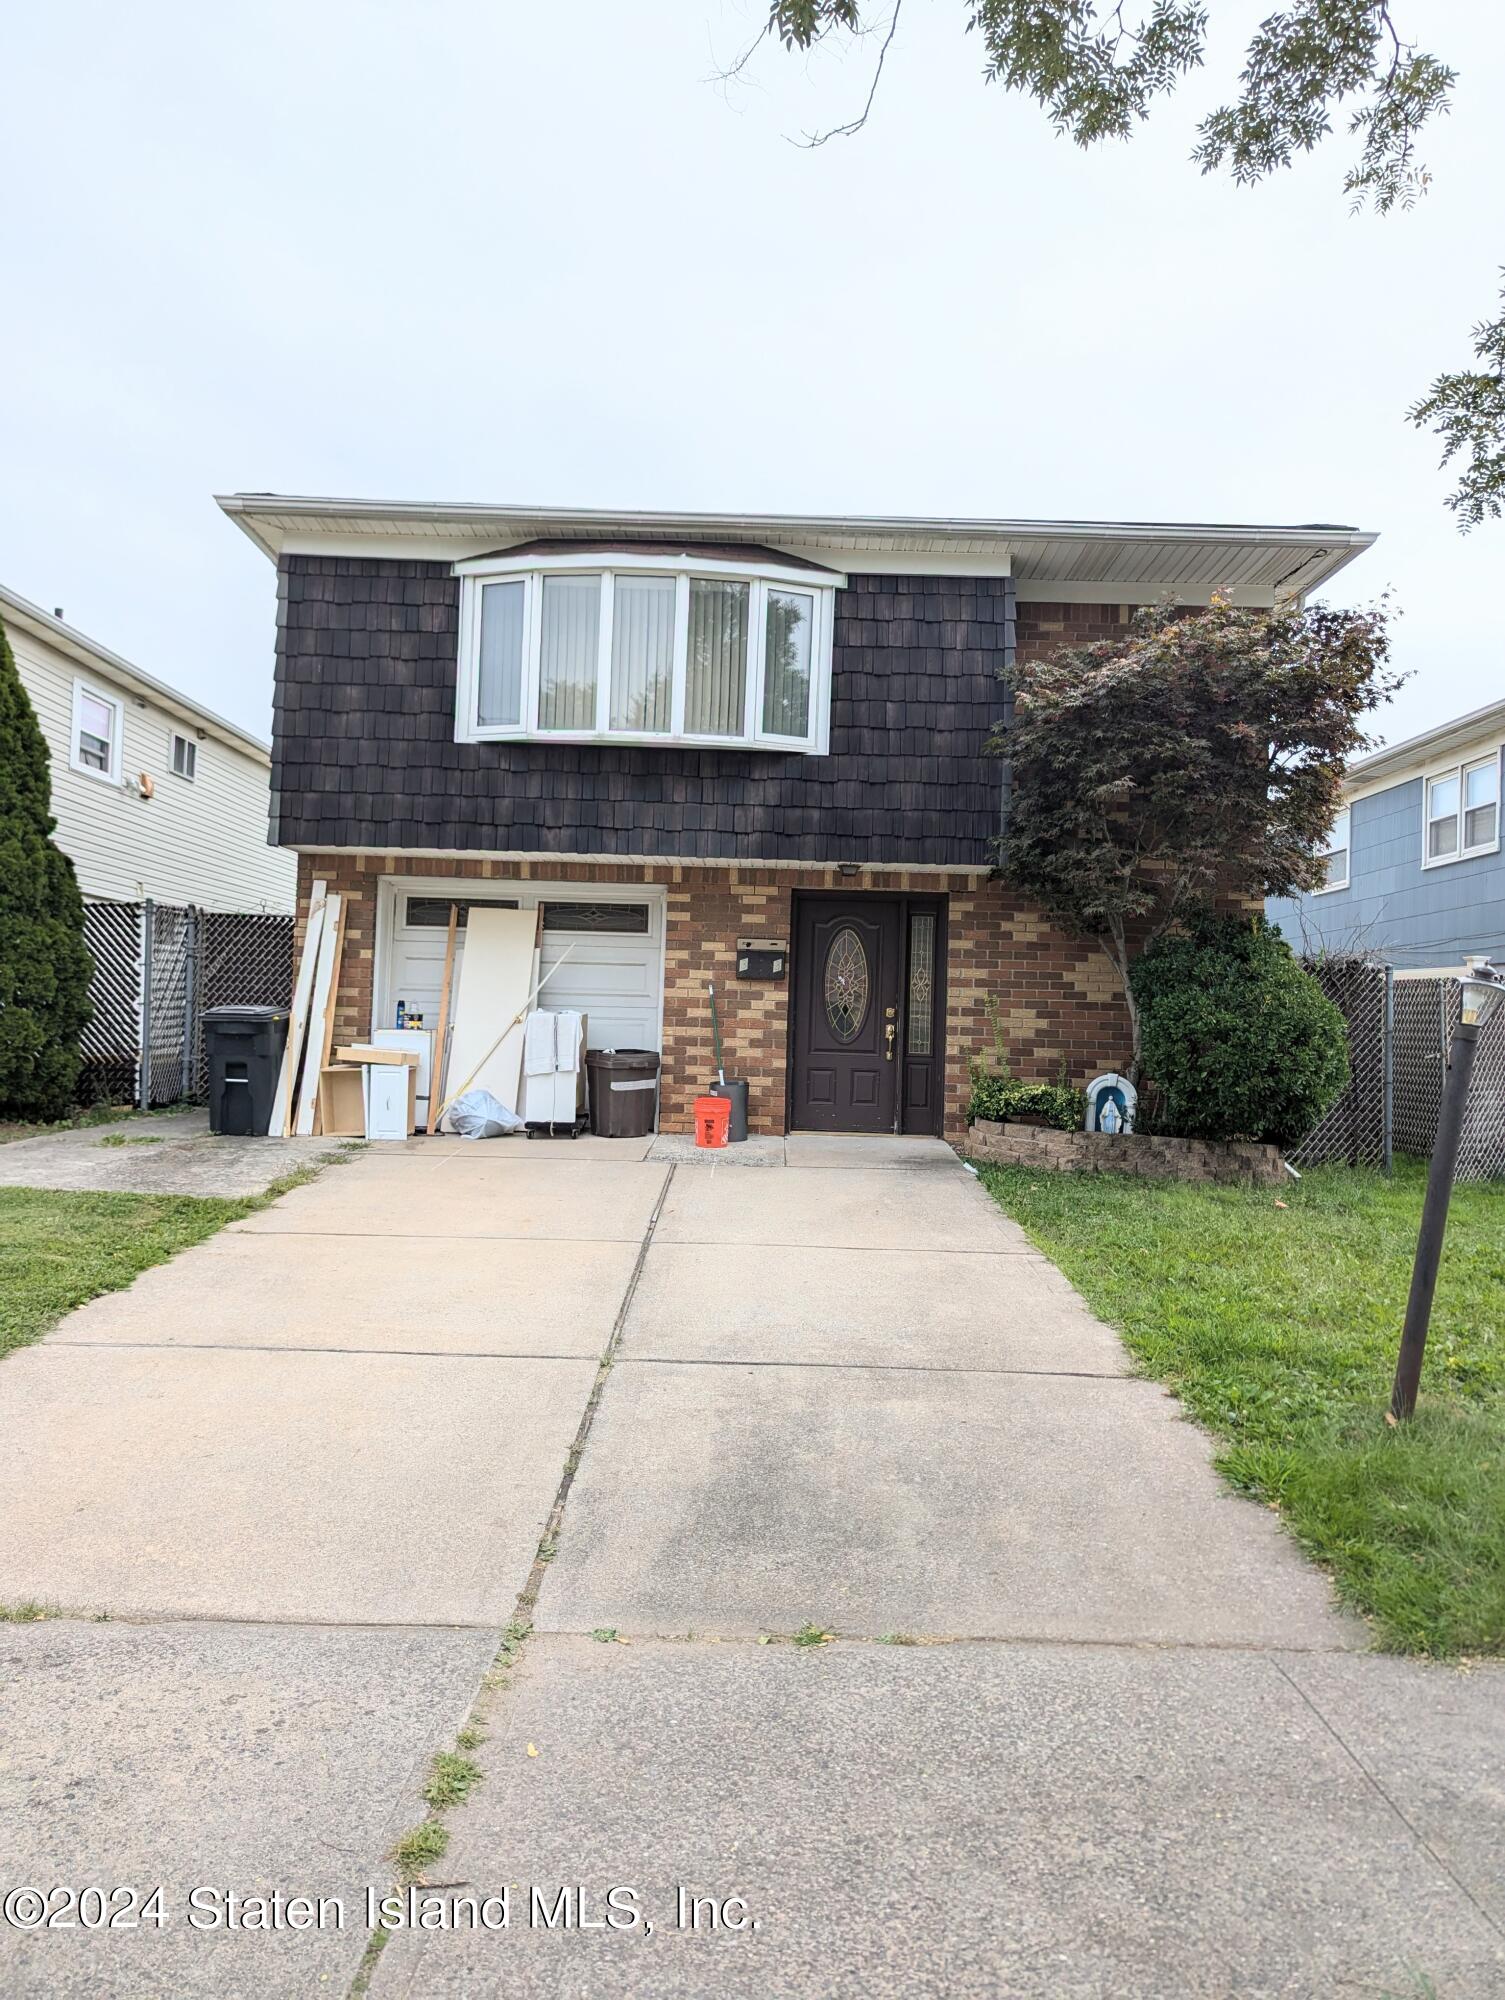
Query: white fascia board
column 20, row 614
column 596, row 520
column 934, row 545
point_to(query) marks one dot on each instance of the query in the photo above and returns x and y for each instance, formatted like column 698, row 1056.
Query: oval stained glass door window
column 847, row 985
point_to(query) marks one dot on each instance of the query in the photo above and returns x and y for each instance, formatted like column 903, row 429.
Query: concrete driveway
column 1089, row 1724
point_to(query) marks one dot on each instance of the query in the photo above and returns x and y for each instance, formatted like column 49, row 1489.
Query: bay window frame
column 532, row 571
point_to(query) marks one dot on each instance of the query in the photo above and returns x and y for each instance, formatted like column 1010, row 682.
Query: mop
column 710, row 988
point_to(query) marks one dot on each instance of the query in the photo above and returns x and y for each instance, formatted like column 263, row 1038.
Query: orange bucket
column 713, row 1117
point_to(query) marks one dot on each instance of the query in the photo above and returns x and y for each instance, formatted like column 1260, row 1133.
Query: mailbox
column 761, row 958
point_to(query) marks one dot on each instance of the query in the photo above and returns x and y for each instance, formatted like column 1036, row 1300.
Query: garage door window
column 630, row 919
column 431, row 913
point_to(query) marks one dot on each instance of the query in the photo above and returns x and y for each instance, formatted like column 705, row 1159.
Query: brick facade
column 1055, row 1000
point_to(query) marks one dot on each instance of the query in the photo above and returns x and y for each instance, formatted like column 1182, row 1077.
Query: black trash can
column 243, row 1054
column 623, row 1091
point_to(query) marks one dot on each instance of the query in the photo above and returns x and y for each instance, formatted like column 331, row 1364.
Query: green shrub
column 1239, row 1041
column 999, row 1096
column 44, row 967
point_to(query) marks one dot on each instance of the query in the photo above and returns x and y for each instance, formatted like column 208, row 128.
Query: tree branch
column 813, row 139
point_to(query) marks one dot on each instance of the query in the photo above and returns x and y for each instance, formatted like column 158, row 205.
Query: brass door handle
column 888, row 1053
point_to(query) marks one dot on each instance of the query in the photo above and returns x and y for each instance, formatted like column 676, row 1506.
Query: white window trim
column 116, row 706
column 1440, row 774
column 475, row 575
column 1331, row 888
column 174, row 738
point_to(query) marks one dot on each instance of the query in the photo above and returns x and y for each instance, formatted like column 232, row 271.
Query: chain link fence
column 157, row 966
column 1400, row 1028
column 1357, row 1128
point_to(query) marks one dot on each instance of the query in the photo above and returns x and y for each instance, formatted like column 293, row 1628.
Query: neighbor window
column 96, row 733
column 1463, row 812
column 185, row 757
column 1337, row 853
column 645, row 649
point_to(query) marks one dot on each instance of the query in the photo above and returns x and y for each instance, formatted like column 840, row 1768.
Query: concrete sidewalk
column 1090, row 1725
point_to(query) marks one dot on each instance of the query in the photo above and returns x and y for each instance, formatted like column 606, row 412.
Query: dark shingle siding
column 365, row 754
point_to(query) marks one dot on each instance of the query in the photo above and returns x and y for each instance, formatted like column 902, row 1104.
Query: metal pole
column 1389, row 1070
column 1434, row 1220
column 144, row 1072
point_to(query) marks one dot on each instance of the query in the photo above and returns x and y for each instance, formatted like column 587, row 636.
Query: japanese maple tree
column 1195, row 762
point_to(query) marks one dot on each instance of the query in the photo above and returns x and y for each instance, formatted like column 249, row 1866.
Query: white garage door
column 608, row 950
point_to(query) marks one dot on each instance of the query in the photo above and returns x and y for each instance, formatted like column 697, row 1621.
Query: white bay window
column 645, row 649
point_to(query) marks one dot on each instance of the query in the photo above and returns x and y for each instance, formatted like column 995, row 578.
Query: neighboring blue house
column 1415, row 872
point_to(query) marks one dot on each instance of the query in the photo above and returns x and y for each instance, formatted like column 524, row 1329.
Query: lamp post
column 1483, row 987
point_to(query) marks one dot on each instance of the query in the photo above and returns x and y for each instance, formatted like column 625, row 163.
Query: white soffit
column 1126, row 558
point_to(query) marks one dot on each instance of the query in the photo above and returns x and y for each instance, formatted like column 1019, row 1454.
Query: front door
column 848, row 959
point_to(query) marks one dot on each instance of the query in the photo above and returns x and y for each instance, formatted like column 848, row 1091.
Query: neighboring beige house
column 154, row 795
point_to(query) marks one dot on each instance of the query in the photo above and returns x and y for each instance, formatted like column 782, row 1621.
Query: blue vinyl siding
column 1411, row 915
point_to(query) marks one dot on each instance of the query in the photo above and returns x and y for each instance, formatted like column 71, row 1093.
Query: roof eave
column 88, row 653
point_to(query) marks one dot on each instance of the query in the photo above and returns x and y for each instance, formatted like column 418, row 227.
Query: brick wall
column 1056, row 999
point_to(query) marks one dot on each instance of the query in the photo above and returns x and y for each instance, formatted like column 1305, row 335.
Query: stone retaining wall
column 1236, row 1161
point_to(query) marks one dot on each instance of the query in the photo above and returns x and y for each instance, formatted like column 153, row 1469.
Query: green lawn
column 1277, row 1326
column 57, row 1250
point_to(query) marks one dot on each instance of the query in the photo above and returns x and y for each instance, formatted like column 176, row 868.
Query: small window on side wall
column 1337, row 852
column 1463, row 812
column 96, row 734
column 185, row 757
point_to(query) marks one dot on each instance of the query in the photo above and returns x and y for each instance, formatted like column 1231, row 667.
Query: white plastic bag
column 479, row 1115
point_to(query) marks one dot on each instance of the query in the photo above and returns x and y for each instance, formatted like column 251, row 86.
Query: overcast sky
column 531, row 253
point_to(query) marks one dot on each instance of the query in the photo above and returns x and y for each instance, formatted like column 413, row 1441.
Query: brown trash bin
column 623, row 1092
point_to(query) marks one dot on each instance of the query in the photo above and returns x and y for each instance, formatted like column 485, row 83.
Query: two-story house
column 1414, row 868
column 744, row 748
column 154, row 795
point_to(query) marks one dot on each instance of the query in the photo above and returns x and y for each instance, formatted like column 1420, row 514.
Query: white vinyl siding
column 203, row 843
